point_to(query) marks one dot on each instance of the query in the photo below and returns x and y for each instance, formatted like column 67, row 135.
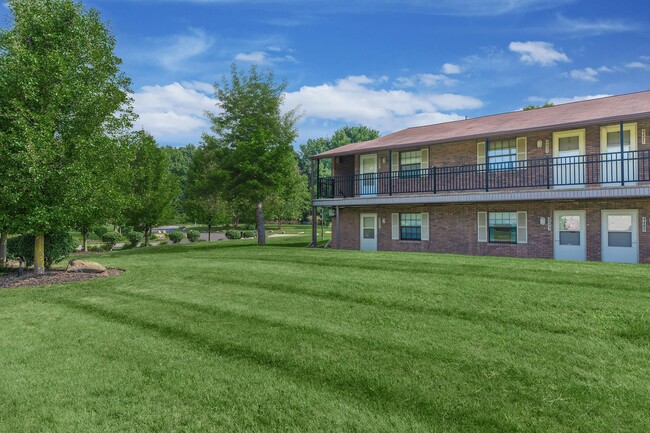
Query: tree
column 533, row 107
column 342, row 136
column 103, row 199
column 180, row 160
column 151, row 188
column 252, row 141
column 290, row 200
column 60, row 90
column 204, row 202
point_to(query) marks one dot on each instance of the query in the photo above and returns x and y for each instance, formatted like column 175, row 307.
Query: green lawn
column 229, row 337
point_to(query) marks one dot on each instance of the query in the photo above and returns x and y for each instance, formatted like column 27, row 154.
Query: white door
column 611, row 169
column 368, row 171
column 569, row 161
column 368, row 234
column 620, row 236
column 570, row 235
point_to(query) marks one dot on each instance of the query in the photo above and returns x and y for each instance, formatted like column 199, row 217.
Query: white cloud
column 450, row 68
column 638, row 65
column 254, row 57
column 425, row 80
column 539, row 52
column 445, row 7
column 558, row 101
column 262, row 57
column 587, row 74
column 180, row 48
column 355, row 100
column 591, row 26
column 174, row 113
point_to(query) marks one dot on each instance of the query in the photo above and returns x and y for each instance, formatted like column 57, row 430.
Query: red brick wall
column 453, row 228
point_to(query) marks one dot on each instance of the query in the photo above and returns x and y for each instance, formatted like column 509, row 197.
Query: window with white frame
column 410, row 226
column 503, row 227
column 502, row 154
column 410, row 163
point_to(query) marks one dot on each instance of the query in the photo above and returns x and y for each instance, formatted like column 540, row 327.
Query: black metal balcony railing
column 618, row 168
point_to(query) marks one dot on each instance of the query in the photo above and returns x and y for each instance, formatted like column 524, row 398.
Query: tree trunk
column 146, row 236
column 3, row 249
column 261, row 233
column 209, row 231
column 39, row 254
column 84, row 241
column 280, row 224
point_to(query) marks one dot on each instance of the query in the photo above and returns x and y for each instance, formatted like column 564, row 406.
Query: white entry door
column 611, row 169
column 368, row 171
column 569, row 161
column 620, row 236
column 570, row 235
column 368, row 233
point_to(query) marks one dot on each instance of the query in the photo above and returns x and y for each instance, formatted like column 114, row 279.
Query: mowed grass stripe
column 231, row 337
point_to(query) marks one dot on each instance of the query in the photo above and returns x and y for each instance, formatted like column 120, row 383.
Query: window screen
column 409, row 163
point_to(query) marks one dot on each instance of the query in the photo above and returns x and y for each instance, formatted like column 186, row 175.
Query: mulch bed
column 53, row 276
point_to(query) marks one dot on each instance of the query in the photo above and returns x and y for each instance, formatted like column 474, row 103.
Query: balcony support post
column 390, row 172
column 435, row 180
column 487, row 165
column 548, row 172
column 622, row 135
column 314, row 227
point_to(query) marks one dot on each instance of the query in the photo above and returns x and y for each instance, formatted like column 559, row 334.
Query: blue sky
column 387, row 64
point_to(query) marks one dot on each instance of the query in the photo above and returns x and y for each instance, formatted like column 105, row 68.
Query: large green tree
column 252, row 139
column 150, row 187
column 61, row 90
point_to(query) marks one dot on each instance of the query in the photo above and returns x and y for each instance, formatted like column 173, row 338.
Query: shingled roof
column 594, row 111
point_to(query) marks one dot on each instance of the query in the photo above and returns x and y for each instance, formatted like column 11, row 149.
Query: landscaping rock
column 85, row 267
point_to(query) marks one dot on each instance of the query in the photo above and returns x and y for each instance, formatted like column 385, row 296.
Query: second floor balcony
column 625, row 168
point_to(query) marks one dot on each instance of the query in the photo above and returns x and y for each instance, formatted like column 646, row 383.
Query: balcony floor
column 593, row 192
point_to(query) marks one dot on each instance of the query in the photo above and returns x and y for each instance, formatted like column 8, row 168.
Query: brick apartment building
column 567, row 182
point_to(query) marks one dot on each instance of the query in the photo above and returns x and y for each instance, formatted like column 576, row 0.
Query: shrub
column 248, row 234
column 95, row 249
column 176, row 236
column 193, row 235
column 127, row 230
column 135, row 238
column 111, row 238
column 58, row 246
column 107, row 247
column 233, row 234
column 100, row 231
column 249, row 227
